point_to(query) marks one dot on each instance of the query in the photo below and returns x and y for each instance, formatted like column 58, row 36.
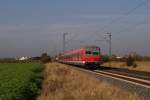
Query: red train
column 89, row 55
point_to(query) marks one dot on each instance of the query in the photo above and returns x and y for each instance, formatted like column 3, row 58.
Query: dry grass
column 141, row 65
column 64, row 83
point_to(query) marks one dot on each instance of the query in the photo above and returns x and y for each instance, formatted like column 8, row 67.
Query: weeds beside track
column 62, row 82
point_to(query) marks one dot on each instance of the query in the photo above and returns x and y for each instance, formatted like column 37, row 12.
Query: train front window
column 88, row 52
column 95, row 53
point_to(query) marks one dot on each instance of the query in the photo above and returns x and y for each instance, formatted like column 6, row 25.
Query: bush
column 105, row 58
column 130, row 61
column 134, row 65
column 45, row 58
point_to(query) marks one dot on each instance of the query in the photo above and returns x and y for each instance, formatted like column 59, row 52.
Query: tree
column 130, row 61
column 45, row 58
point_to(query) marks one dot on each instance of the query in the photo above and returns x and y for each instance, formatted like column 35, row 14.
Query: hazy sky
column 31, row 27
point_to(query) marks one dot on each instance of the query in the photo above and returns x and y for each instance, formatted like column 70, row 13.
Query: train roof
column 92, row 46
column 78, row 49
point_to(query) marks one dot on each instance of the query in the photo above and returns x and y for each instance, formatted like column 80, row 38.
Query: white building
column 23, row 58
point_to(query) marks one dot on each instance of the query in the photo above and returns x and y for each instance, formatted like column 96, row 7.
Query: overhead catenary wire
column 114, row 20
column 134, row 25
column 126, row 14
column 121, row 17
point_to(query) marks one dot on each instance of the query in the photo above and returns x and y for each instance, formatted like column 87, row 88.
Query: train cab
column 92, row 55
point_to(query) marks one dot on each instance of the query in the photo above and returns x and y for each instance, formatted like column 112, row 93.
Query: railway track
column 136, row 82
column 132, row 77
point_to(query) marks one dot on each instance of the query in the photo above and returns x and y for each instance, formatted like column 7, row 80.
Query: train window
column 95, row 53
column 78, row 56
column 88, row 52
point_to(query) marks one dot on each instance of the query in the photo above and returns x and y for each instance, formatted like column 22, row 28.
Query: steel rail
column 130, row 74
column 130, row 79
column 126, row 78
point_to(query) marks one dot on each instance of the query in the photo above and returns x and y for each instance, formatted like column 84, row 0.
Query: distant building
column 23, row 58
column 118, row 57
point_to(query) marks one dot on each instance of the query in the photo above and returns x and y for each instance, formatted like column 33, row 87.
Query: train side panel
column 82, row 56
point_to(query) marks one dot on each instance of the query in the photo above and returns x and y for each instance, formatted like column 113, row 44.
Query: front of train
column 92, row 55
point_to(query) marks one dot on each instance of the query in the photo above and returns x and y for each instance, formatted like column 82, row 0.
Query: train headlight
column 83, row 62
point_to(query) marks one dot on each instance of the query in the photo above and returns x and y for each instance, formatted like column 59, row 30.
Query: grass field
column 61, row 82
column 20, row 81
column 141, row 65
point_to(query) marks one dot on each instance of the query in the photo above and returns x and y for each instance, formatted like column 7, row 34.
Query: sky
column 31, row 27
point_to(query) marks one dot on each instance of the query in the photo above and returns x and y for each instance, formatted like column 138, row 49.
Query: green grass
column 20, row 81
